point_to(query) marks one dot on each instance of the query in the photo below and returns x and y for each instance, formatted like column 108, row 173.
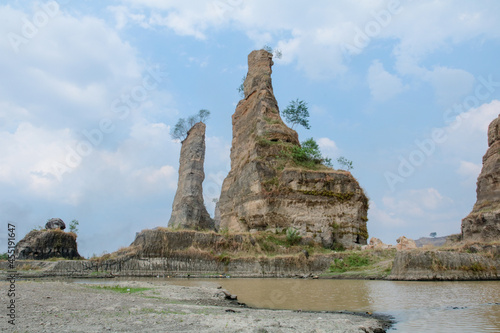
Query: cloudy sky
column 90, row 89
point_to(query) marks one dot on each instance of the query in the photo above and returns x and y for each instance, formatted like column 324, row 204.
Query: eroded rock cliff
column 265, row 190
column 483, row 223
column 45, row 244
column 188, row 209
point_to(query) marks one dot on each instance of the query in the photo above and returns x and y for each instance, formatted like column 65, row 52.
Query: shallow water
column 416, row 306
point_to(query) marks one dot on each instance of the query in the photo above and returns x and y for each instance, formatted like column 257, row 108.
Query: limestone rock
column 45, row 244
column 188, row 209
column 405, row 243
column 377, row 244
column 55, row 223
column 483, row 223
column 264, row 190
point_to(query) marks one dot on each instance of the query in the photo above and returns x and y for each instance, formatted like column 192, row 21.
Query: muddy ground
column 55, row 306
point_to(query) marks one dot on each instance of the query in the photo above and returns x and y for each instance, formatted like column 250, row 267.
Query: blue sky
column 89, row 91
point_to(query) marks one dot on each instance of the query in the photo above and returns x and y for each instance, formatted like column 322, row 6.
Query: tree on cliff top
column 297, row 113
column 181, row 129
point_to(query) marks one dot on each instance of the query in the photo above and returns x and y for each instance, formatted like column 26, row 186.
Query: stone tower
column 265, row 190
column 188, row 209
column 483, row 223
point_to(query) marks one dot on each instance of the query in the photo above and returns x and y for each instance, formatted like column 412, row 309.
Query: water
column 416, row 306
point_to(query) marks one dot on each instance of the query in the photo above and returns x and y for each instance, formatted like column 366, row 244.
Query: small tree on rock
column 297, row 113
column 345, row 164
column 73, row 226
column 181, row 129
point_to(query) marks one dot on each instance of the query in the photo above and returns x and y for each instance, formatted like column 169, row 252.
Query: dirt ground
column 50, row 306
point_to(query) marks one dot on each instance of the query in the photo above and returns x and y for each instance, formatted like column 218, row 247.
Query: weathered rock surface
column 188, row 209
column 55, row 223
column 404, row 243
column 45, row 244
column 377, row 244
column 444, row 265
column 265, row 191
column 431, row 241
column 483, row 223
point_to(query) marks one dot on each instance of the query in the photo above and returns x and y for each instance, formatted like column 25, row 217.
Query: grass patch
column 369, row 263
column 122, row 290
column 351, row 262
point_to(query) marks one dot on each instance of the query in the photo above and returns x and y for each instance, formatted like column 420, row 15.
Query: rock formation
column 483, row 223
column 265, row 190
column 376, row 244
column 188, row 209
column 45, row 244
column 404, row 243
column 55, row 223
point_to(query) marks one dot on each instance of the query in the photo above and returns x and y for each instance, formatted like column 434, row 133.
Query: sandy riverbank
column 50, row 306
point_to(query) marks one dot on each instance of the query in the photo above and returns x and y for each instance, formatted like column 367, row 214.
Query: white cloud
column 328, row 147
column 413, row 213
column 450, row 84
column 315, row 36
column 383, row 85
column 469, row 172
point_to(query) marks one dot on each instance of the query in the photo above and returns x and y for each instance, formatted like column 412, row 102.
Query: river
column 416, row 306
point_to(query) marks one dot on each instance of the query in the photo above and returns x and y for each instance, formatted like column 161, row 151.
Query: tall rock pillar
column 188, row 209
column 483, row 223
column 266, row 190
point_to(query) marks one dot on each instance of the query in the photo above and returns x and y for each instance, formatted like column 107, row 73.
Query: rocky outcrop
column 404, row 243
column 265, row 190
column 188, row 209
column 483, row 223
column 45, row 244
column 444, row 265
column 376, row 244
column 55, row 223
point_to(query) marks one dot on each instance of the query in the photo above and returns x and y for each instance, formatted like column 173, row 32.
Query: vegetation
column 73, row 226
column 345, row 164
column 276, row 52
column 297, row 113
column 4, row 256
column 292, row 236
column 123, row 290
column 309, row 155
column 241, row 88
column 181, row 129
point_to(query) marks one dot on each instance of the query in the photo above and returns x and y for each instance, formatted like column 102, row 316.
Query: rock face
column 483, row 223
column 45, row 244
column 55, row 223
column 265, row 190
column 405, row 244
column 188, row 209
column 377, row 244
column 444, row 265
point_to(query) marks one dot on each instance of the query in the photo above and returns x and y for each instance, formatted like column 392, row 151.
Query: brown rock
column 188, row 209
column 45, row 244
column 265, row 190
column 405, row 243
column 483, row 223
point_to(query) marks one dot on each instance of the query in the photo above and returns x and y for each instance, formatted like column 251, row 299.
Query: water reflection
column 417, row 306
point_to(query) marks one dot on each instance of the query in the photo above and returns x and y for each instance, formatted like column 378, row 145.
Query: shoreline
column 58, row 306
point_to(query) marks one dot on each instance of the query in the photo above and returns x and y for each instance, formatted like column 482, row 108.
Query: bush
column 351, row 262
column 292, row 236
column 309, row 155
